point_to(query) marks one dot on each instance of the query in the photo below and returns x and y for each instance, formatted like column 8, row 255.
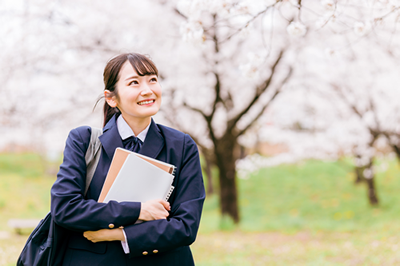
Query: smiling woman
column 107, row 233
column 127, row 78
column 137, row 93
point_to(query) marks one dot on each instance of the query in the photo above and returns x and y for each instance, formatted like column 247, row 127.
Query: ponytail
column 109, row 112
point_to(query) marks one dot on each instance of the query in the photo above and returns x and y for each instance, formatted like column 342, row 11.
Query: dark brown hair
column 142, row 65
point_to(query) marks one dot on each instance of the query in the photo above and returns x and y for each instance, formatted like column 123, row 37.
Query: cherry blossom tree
column 224, row 65
column 298, row 31
column 52, row 61
column 350, row 105
column 240, row 73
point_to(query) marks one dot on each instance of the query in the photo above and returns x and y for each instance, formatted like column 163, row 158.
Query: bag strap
column 92, row 155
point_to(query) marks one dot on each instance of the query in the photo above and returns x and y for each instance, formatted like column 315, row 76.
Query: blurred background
column 294, row 105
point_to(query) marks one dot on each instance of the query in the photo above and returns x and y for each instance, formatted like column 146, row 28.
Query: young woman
column 106, row 234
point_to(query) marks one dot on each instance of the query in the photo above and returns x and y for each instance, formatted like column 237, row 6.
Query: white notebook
column 140, row 181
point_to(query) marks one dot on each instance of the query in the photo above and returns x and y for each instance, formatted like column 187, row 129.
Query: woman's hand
column 150, row 210
column 105, row 235
column 154, row 210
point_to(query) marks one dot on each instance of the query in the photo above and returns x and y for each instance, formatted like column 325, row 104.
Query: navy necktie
column 132, row 143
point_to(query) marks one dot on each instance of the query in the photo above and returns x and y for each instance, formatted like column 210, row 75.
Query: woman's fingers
column 166, row 204
column 90, row 235
column 104, row 235
column 154, row 210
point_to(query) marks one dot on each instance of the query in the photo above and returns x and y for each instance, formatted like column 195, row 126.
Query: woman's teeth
column 145, row 102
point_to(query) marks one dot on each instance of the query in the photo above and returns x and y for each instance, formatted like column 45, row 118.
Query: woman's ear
column 110, row 98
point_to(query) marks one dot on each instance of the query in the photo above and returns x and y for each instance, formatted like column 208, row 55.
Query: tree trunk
column 396, row 149
column 225, row 160
column 372, row 197
column 207, row 168
column 370, row 180
column 242, row 152
column 359, row 174
column 358, row 170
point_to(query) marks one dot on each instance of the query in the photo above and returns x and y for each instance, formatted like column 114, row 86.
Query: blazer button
column 111, row 226
column 145, row 253
column 155, row 251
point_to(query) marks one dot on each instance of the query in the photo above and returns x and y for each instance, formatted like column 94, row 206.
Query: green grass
column 24, row 188
column 311, row 196
column 310, row 213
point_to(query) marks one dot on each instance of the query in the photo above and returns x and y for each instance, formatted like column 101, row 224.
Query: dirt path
column 302, row 248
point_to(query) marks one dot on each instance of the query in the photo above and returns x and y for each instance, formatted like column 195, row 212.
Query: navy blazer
column 159, row 242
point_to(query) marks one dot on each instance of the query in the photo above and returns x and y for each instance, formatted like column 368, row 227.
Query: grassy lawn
column 305, row 214
column 301, row 248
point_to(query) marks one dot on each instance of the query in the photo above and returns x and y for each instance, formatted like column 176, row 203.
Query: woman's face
column 139, row 97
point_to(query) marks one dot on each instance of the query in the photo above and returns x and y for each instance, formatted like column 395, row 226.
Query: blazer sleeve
column 69, row 207
column 180, row 228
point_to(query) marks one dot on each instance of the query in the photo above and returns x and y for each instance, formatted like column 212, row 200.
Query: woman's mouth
column 145, row 102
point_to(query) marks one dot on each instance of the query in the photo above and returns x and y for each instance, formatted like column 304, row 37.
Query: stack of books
column 137, row 178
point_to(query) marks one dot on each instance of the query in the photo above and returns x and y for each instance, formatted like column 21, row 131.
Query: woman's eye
column 154, row 80
column 134, row 82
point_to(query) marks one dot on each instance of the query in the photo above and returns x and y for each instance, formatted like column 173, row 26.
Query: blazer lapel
column 154, row 141
column 111, row 138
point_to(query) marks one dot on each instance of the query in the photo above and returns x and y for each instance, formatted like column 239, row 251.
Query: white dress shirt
column 125, row 131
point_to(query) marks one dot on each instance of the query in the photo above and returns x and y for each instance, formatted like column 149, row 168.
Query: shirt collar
column 125, row 131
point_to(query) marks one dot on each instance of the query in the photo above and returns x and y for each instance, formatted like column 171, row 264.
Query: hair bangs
column 142, row 65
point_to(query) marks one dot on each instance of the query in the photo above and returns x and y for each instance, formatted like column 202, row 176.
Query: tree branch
column 395, row 146
column 259, row 91
column 373, row 132
column 373, row 109
column 267, row 104
column 352, row 107
column 208, row 121
column 217, row 88
column 248, row 22
column 195, row 109
column 179, row 13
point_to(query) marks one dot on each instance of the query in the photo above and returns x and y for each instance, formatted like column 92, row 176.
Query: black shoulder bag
column 46, row 245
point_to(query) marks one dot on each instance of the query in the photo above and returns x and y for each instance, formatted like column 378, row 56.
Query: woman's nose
column 146, row 90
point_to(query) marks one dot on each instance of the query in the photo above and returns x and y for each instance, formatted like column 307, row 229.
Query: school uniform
column 159, row 242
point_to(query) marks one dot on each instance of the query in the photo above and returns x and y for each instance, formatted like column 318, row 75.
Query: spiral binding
column 169, row 193
column 173, row 170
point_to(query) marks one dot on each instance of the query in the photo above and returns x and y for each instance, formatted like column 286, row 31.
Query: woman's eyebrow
column 132, row 77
